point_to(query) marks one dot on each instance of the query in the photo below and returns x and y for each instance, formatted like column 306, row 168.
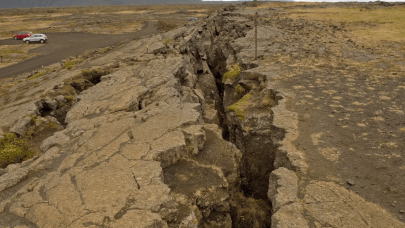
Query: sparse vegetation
column 70, row 64
column 249, row 212
column 51, row 126
column 92, row 72
column 14, row 150
column 268, row 100
column 385, row 24
column 166, row 42
column 12, row 54
column 233, row 72
column 39, row 74
column 105, row 50
column 239, row 90
column 6, row 53
column 165, row 25
column 239, row 107
column 33, row 119
column 69, row 98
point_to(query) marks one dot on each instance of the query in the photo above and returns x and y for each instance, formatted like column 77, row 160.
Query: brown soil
column 348, row 94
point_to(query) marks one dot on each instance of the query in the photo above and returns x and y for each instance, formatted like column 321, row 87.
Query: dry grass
column 11, row 25
column 165, row 25
column 70, row 64
column 166, row 42
column 13, row 54
column 95, row 19
column 249, row 212
column 384, row 24
column 281, row 4
column 37, row 75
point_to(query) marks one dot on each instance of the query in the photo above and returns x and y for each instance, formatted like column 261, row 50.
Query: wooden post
column 256, row 38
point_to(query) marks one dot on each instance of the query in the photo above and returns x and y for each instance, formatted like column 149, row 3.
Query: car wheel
column 42, row 41
column 27, row 41
column 15, row 37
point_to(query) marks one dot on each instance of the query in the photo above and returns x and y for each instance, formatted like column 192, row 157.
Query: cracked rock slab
column 288, row 217
column 333, row 206
column 283, row 188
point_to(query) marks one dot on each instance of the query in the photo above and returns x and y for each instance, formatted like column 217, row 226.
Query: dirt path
column 63, row 45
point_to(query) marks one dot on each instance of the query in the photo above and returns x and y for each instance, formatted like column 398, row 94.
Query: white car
column 42, row 38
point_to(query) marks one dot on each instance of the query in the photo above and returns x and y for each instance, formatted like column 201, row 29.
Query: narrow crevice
column 74, row 182
column 220, row 106
column 58, row 110
column 137, row 184
column 250, row 206
column 140, row 105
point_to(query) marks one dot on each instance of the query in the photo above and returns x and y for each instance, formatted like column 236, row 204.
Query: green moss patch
column 33, row 120
column 70, row 98
column 240, row 106
column 233, row 72
column 94, row 72
column 51, row 126
column 14, row 150
column 70, row 64
column 37, row 75
column 166, row 42
column 239, row 90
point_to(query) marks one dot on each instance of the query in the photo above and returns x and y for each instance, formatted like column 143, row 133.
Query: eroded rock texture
column 151, row 135
column 135, row 152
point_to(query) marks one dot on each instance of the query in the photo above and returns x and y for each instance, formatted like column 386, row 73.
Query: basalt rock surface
column 152, row 135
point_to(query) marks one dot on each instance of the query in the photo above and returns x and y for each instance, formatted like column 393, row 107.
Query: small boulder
column 156, row 48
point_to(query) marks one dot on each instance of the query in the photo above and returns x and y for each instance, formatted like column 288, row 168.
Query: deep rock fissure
column 258, row 154
column 249, row 204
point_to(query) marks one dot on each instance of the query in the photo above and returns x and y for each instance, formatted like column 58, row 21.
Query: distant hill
column 59, row 3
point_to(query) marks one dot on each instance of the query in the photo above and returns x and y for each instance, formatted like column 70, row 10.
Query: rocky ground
column 186, row 129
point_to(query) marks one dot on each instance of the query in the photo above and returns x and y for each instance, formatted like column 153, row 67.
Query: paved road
column 63, row 45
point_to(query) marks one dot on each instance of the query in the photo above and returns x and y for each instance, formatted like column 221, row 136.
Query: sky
column 306, row 0
column 60, row 3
